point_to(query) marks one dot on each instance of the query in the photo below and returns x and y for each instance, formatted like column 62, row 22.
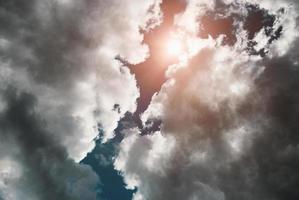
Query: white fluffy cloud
column 228, row 115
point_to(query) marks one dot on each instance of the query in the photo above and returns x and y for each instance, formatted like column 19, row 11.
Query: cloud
column 37, row 167
column 59, row 84
column 228, row 114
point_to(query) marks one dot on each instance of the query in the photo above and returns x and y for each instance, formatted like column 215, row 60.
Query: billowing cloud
column 228, row 111
column 59, row 84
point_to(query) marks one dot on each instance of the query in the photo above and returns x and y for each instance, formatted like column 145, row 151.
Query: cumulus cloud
column 228, row 111
column 59, row 84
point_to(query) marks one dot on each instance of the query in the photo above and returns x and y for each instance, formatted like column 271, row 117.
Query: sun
column 174, row 47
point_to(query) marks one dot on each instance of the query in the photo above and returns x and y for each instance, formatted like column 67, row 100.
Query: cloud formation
column 229, row 111
column 59, row 84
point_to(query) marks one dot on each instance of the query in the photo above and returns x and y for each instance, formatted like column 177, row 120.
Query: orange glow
column 150, row 75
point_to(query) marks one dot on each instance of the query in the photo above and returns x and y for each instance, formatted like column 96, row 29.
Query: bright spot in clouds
column 174, row 47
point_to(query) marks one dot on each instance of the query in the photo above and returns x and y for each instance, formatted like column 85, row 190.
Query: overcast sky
column 149, row 100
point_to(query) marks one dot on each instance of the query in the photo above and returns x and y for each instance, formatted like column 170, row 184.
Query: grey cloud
column 59, row 83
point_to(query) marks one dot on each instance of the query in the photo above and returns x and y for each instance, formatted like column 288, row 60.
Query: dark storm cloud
column 45, row 169
column 277, row 150
column 48, row 172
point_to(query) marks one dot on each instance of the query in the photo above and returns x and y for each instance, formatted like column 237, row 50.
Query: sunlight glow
column 174, row 47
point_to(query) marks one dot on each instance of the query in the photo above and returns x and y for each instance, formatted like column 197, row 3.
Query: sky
column 149, row 100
